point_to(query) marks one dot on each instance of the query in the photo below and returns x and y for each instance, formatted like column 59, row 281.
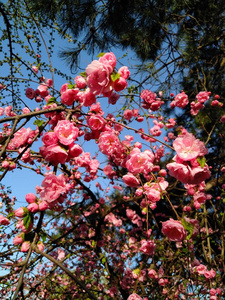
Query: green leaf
column 39, row 123
column 27, row 220
column 101, row 54
column 201, row 160
column 71, row 86
column 51, row 100
column 115, row 76
column 188, row 227
column 43, row 236
column 83, row 74
column 137, row 271
column 93, row 243
column 103, row 260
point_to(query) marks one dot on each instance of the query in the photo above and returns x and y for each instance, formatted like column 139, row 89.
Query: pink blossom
column 43, row 205
column 215, row 103
column 222, row 119
column 130, row 213
column 213, row 297
column 53, row 187
column 25, row 246
column 109, row 172
column 201, row 269
column 180, row 100
column 98, row 77
column 140, row 162
column 188, row 174
column 9, row 112
column 30, row 197
column 96, row 122
column 149, row 98
column 5, row 164
column 21, row 212
column 179, row 171
column 21, row 138
column 210, row 274
column 26, row 110
column 54, row 154
column 4, row 220
column 128, row 114
column 19, row 239
column 68, row 96
column 80, row 82
column 43, row 90
column 40, row 246
column 111, row 218
column 219, row 291
column 108, row 142
column 108, row 59
column 131, row 180
column 124, row 72
column 199, row 174
column 134, row 297
column 113, row 98
column 35, row 69
column 96, row 108
column 49, row 82
column 155, row 130
column 66, row 132
column 152, row 193
column 30, row 93
column 171, row 123
column 203, row 96
column 93, row 167
column 152, row 273
column 61, row 254
column 33, row 207
column 74, row 151
column 174, row 230
column 188, row 147
column 50, row 138
column 120, row 84
column 148, row 247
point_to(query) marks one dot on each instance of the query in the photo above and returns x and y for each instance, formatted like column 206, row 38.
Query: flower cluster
column 186, row 166
column 59, row 146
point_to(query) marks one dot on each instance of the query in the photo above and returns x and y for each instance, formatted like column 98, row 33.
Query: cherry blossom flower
column 131, row 180
column 4, row 220
column 98, row 77
column 148, row 247
column 80, row 82
column 134, row 297
column 188, row 147
column 53, row 187
column 180, row 100
column 140, row 162
column 174, row 230
column 66, row 132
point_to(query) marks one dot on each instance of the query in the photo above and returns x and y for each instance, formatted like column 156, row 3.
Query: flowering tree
column 153, row 237
column 138, row 215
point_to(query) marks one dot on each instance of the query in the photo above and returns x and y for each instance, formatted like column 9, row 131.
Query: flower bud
column 21, row 212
